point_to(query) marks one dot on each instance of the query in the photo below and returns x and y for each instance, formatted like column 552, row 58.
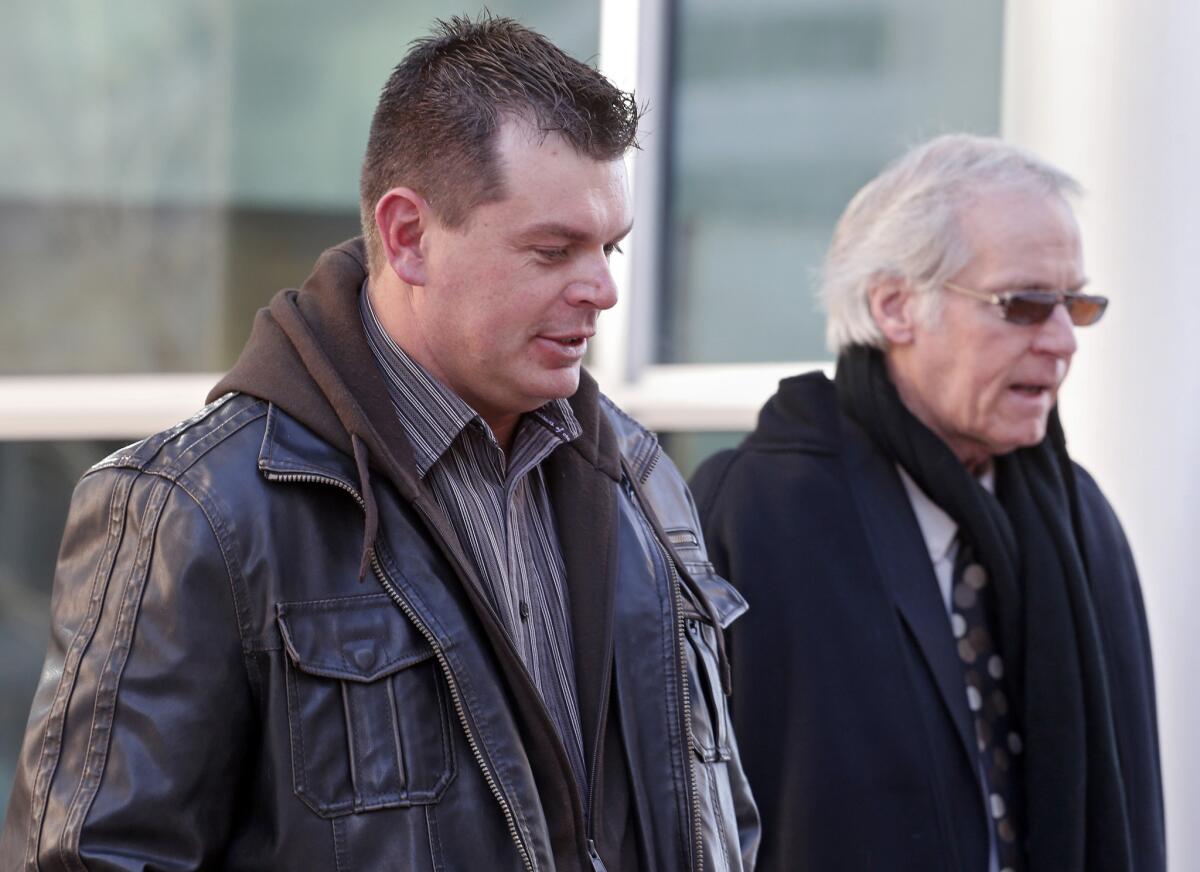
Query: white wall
column 1108, row 90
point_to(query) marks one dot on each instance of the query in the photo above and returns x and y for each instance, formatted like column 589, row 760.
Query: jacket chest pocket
column 710, row 712
column 367, row 707
column 710, row 709
column 712, row 738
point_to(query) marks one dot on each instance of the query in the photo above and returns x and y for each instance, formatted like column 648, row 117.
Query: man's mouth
column 565, row 348
column 570, row 340
column 1030, row 390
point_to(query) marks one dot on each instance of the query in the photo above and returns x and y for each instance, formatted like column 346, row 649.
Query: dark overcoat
column 849, row 702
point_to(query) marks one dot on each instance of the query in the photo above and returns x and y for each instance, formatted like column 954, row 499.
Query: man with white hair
column 947, row 666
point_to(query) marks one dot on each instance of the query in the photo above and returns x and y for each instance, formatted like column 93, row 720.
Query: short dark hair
column 435, row 124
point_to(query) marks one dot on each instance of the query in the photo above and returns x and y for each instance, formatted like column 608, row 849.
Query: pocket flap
column 361, row 638
column 726, row 601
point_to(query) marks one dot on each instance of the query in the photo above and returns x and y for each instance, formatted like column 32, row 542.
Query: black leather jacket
column 223, row 692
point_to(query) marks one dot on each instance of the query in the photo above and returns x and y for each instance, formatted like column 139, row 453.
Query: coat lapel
column 902, row 560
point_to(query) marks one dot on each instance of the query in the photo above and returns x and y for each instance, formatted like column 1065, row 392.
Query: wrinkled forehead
column 1020, row 236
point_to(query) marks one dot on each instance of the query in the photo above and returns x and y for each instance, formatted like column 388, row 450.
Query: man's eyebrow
column 565, row 231
column 1019, row 282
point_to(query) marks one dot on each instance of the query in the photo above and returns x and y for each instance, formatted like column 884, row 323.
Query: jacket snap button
column 364, row 657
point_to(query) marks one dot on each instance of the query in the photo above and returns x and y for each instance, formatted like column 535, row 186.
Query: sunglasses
column 1034, row 307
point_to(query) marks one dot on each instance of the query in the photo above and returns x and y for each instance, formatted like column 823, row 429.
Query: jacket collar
column 802, row 416
column 289, row 448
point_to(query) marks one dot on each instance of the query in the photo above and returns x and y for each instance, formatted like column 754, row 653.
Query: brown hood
column 308, row 355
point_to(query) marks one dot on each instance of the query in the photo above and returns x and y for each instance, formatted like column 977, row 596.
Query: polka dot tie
column 996, row 737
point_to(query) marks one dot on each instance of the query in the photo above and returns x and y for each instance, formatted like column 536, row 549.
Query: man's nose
column 597, row 288
column 1057, row 334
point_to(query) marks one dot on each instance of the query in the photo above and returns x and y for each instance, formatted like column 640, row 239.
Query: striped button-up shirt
column 501, row 510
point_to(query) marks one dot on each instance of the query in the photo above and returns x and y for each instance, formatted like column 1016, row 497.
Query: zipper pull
column 597, row 863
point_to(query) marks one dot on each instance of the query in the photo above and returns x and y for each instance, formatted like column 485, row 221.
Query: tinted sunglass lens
column 1034, row 307
column 1085, row 309
column 1029, row 308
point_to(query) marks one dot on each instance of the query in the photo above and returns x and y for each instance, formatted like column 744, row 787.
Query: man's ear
column 893, row 302
column 402, row 217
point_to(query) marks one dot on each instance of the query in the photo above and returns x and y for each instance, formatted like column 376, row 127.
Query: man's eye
column 611, row 247
column 552, row 254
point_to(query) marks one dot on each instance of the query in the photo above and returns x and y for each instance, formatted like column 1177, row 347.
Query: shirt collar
column 431, row 414
column 937, row 528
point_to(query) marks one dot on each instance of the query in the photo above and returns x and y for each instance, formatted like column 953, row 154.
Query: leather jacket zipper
column 686, row 700
column 594, row 856
column 509, row 818
column 685, row 692
column 443, row 663
column 650, row 464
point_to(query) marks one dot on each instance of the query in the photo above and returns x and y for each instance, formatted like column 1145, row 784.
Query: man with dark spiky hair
column 402, row 596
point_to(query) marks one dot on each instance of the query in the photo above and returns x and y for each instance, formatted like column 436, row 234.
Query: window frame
column 675, row 397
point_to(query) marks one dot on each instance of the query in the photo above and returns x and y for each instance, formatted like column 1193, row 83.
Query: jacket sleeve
column 134, row 744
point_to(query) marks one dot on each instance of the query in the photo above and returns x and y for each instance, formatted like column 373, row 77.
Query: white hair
column 904, row 224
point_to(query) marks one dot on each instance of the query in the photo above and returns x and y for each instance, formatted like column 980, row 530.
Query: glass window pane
column 164, row 168
column 779, row 112
column 37, row 480
column 690, row 449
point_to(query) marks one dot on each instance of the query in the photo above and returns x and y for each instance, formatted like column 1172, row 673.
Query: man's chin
column 558, row 385
column 561, row 384
column 1026, row 436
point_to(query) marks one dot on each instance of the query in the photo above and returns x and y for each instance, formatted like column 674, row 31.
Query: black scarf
column 1030, row 540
